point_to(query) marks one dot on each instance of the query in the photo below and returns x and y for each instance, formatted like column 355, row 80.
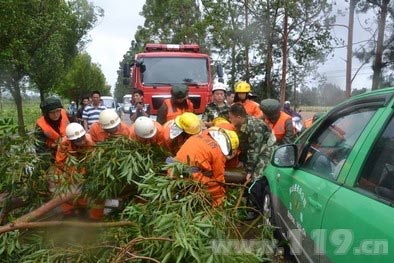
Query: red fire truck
column 161, row 65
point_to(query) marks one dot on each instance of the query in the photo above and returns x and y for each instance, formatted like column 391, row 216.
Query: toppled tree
column 164, row 218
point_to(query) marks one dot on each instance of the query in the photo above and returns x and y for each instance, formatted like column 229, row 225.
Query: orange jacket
column 203, row 152
column 53, row 137
column 157, row 139
column 279, row 128
column 99, row 134
column 66, row 148
column 172, row 113
column 308, row 123
column 252, row 108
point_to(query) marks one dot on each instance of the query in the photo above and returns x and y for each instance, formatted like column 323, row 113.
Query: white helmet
column 109, row 119
column 145, row 127
column 219, row 86
column 74, row 131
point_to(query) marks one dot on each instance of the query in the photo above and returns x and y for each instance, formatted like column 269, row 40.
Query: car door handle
column 277, row 177
column 314, row 203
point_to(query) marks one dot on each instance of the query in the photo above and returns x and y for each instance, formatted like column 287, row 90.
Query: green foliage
column 173, row 220
column 181, row 25
column 39, row 40
column 22, row 179
column 113, row 166
column 82, row 78
column 31, row 111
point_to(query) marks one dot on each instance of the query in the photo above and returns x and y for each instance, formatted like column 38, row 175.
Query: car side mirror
column 285, row 156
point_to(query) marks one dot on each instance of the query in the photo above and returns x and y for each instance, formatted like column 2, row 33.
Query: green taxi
column 331, row 193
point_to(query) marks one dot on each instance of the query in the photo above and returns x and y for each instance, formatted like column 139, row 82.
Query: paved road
column 126, row 118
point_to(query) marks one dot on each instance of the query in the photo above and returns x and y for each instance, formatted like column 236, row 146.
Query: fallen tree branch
column 32, row 225
column 128, row 248
column 47, row 207
column 42, row 210
column 9, row 205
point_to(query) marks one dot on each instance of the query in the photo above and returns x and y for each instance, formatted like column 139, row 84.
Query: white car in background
column 126, row 104
column 109, row 102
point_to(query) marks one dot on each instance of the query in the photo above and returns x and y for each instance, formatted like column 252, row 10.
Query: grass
column 314, row 108
column 31, row 111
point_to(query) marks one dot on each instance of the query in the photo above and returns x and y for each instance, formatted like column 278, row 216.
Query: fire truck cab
column 162, row 65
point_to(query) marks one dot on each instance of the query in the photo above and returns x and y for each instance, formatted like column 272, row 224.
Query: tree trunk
column 284, row 59
column 377, row 66
column 349, row 55
column 268, row 62
column 247, row 73
column 16, row 94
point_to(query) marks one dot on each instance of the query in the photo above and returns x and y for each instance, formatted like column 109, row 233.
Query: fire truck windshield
column 171, row 70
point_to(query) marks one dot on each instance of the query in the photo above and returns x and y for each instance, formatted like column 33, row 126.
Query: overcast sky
column 111, row 38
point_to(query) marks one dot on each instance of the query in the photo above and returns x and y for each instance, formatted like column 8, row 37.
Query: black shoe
column 252, row 215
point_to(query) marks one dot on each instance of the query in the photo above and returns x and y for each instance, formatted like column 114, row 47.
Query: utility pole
column 247, row 43
column 349, row 55
column 284, row 58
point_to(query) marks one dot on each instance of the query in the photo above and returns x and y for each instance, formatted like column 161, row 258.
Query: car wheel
column 267, row 207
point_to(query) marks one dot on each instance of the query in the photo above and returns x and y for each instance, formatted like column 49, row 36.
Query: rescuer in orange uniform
column 242, row 90
column 177, row 131
column 76, row 143
column 280, row 122
column 109, row 125
column 147, row 131
column 308, row 122
column 51, row 126
column 206, row 153
column 176, row 105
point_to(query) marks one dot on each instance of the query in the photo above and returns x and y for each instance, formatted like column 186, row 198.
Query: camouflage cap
column 270, row 106
column 179, row 91
column 50, row 104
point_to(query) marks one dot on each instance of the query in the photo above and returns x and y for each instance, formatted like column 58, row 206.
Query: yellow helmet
column 233, row 138
column 219, row 120
column 242, row 86
column 228, row 140
column 189, row 123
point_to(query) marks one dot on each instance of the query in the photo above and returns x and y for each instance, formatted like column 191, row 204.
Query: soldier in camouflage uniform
column 218, row 107
column 256, row 142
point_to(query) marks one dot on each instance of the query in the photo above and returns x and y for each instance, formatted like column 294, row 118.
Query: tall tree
column 225, row 34
column 122, row 86
column 380, row 50
column 82, row 78
column 171, row 21
column 36, row 38
column 66, row 31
